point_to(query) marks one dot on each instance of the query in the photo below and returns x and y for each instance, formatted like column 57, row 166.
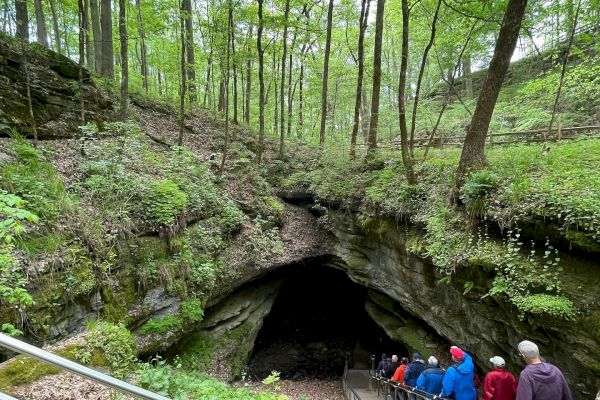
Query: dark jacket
column 382, row 366
column 458, row 381
column 499, row 384
column 412, row 372
column 391, row 368
column 430, row 380
column 542, row 382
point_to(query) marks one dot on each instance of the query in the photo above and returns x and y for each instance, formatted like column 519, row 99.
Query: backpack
column 384, row 367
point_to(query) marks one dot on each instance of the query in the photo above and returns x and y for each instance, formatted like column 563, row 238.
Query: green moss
column 192, row 310
column 162, row 325
column 583, row 241
column 546, row 305
column 116, row 304
column 410, row 335
column 165, row 201
column 23, row 369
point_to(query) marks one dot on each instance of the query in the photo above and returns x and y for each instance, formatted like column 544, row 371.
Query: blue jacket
column 430, row 380
column 412, row 372
column 458, row 381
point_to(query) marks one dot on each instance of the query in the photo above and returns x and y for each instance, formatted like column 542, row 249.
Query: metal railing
column 47, row 357
column 4, row 396
column 395, row 390
column 349, row 393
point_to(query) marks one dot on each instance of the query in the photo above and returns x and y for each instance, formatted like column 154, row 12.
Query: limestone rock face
column 54, row 84
column 485, row 327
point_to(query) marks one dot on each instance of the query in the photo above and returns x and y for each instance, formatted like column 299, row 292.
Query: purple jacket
column 542, row 382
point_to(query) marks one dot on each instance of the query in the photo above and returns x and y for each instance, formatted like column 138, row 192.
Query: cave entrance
column 317, row 319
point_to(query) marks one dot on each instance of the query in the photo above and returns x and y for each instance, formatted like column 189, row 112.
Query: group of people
column 538, row 381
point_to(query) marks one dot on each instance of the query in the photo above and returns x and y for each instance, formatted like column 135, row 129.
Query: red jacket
column 399, row 374
column 499, row 384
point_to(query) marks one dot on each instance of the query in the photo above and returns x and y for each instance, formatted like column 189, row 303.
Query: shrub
column 111, row 343
column 192, row 310
column 165, row 201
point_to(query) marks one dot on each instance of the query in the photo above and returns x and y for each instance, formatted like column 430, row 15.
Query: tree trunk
column 473, row 152
column 28, row 90
column 300, row 125
column 364, row 13
column 143, row 48
column 55, row 26
column 248, row 78
column 6, row 17
column 227, row 62
column 467, row 75
column 97, row 34
column 22, row 20
column 261, row 84
column 207, row 96
column 235, row 79
column 282, row 86
column 372, row 139
column 183, row 71
column 325, row 74
column 413, row 122
column 406, row 160
column 290, row 95
column 124, row 59
column 40, row 21
column 564, row 68
column 186, row 7
column 108, row 63
column 81, row 20
column 364, row 114
column 89, row 46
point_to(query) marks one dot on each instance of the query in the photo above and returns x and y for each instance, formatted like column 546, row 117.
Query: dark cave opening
column 317, row 320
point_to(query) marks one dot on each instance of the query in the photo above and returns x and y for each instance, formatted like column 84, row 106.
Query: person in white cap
column 499, row 384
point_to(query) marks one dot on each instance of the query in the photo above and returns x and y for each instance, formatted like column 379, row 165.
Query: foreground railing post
column 106, row 380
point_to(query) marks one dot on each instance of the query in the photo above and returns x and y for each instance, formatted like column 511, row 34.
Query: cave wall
column 377, row 258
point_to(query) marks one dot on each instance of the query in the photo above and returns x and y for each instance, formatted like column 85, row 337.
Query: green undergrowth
column 200, row 352
column 522, row 184
column 180, row 384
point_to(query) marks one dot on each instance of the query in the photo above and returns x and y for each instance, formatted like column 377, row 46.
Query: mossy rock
column 582, row 241
column 21, row 369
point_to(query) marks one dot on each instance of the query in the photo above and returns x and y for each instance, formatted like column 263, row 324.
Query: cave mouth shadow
column 317, row 320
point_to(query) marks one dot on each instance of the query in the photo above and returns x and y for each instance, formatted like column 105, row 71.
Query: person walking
column 499, row 384
column 399, row 374
column 540, row 380
column 430, row 380
column 383, row 364
column 392, row 366
column 413, row 370
column 458, row 380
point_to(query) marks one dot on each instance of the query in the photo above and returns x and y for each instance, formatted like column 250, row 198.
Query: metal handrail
column 389, row 385
column 47, row 357
column 4, row 396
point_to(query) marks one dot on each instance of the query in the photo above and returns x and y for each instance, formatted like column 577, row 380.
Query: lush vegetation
column 521, row 186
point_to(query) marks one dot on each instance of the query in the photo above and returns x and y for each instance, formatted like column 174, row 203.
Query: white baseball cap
column 498, row 361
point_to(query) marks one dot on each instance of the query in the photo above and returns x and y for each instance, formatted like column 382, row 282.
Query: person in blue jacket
column 413, row 370
column 430, row 380
column 458, row 381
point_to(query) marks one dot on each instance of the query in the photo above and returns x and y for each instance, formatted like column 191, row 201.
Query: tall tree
column 372, row 140
column 40, row 22
column 473, row 151
column 108, row 63
column 80, row 18
column 227, row 63
column 573, row 27
column 234, row 64
column 261, row 84
column 406, row 160
column 124, row 59
column 55, row 26
column 282, row 86
column 189, row 44
column 143, row 47
column 420, row 78
column 248, row 77
column 326, row 74
column 22, row 20
column 183, row 76
column 363, row 21
column 89, row 47
column 97, row 33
